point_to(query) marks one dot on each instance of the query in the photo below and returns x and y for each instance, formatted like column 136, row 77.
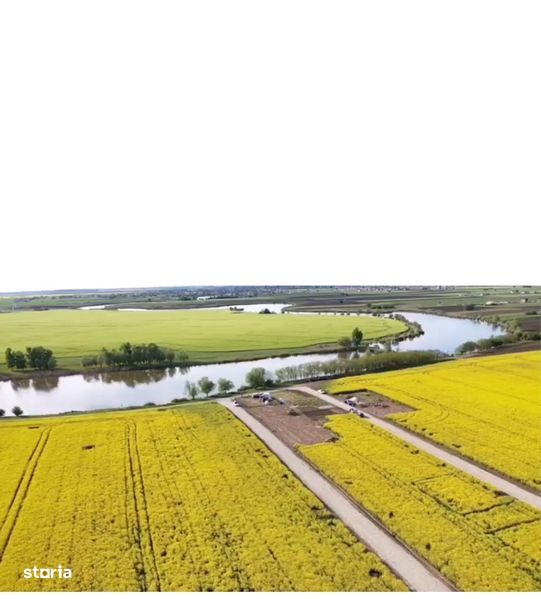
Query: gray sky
column 212, row 142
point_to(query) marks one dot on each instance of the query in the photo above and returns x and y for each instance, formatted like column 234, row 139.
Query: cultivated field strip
column 413, row 571
column 487, row 409
column 502, row 484
column 229, row 516
column 20, row 492
column 16, row 446
column 472, row 533
column 184, row 499
column 74, row 513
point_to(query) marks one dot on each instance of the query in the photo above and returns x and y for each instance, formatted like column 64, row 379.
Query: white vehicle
column 235, row 402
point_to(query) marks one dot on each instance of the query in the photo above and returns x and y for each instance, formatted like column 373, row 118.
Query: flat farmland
column 181, row 499
column 477, row 537
column 486, row 409
column 206, row 335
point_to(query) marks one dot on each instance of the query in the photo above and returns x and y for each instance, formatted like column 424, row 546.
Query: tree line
column 128, row 354
column 206, row 386
column 37, row 358
column 360, row 365
column 259, row 378
column 16, row 411
column 489, row 343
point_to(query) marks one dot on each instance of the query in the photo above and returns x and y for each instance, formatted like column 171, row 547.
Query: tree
column 155, row 354
column 18, row 360
column 467, row 347
column 344, row 342
column 127, row 352
column 15, row 359
column 182, row 357
column 40, row 358
column 191, row 390
column 2, row 413
column 89, row 361
column 356, row 337
column 225, row 385
column 16, row 411
column 206, row 385
column 256, row 377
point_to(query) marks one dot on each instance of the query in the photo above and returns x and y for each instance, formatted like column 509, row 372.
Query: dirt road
column 414, row 572
column 478, row 472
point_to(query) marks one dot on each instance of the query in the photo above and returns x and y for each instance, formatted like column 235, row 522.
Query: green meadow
column 206, row 335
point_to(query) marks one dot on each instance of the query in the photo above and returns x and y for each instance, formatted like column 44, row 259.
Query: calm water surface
column 53, row 395
column 244, row 307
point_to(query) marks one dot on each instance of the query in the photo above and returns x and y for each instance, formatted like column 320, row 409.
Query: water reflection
column 45, row 383
column 18, row 384
column 42, row 383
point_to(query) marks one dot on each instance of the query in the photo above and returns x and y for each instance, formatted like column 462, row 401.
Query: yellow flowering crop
column 182, row 499
column 478, row 538
column 488, row 409
column 16, row 447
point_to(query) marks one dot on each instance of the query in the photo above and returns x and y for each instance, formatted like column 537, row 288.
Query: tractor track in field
column 21, row 491
column 132, row 491
column 461, row 463
column 144, row 532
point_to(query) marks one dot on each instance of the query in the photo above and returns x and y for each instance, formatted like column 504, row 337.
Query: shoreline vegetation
column 259, row 379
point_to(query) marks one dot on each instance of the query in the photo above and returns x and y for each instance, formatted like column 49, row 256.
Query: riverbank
column 228, row 328
column 313, row 382
column 113, row 388
column 237, row 357
column 179, row 401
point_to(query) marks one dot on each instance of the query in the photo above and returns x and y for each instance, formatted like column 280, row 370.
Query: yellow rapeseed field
column 477, row 537
column 181, row 499
column 488, row 409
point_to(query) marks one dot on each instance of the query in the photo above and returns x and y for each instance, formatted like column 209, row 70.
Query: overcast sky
column 211, row 142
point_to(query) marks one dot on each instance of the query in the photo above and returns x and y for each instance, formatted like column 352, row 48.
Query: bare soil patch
column 375, row 403
column 292, row 423
column 300, row 399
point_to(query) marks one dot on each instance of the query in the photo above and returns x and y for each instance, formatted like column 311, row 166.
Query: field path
column 478, row 472
column 417, row 575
